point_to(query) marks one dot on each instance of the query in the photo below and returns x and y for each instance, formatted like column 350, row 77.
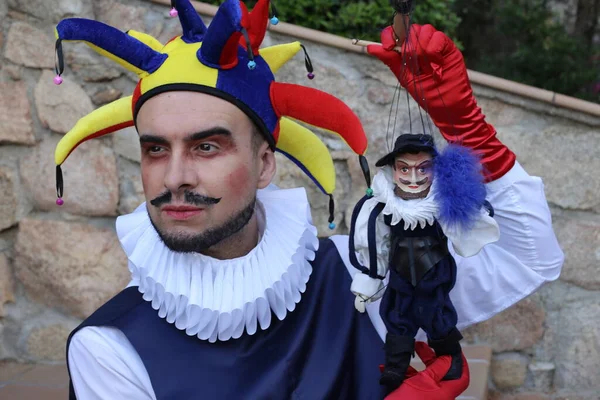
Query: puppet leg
column 397, row 315
column 437, row 314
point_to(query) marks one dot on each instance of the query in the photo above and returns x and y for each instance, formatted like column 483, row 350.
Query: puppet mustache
column 189, row 197
column 418, row 183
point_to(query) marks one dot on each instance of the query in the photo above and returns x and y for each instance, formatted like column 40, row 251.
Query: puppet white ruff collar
column 412, row 212
column 220, row 299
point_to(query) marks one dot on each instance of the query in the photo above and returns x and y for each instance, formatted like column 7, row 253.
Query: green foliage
column 513, row 39
column 520, row 40
column 362, row 19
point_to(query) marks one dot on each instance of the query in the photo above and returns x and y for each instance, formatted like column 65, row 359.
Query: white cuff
column 365, row 285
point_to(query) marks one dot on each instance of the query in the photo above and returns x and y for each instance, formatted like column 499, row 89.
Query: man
column 232, row 294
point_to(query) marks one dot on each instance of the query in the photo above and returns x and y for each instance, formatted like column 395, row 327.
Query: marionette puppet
column 422, row 201
column 425, row 205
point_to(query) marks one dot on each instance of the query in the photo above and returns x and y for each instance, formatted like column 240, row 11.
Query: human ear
column 267, row 166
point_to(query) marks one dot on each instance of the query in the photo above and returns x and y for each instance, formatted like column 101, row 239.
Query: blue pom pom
column 274, row 21
column 251, row 64
column 460, row 189
column 332, row 225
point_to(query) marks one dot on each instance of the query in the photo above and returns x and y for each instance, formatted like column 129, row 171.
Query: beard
column 198, row 243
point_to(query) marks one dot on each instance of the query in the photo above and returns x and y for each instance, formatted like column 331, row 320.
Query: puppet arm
column 368, row 287
column 469, row 243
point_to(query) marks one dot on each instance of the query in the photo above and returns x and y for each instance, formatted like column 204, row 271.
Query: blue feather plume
column 459, row 186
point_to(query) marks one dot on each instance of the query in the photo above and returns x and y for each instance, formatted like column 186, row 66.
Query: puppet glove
column 428, row 384
column 432, row 69
column 360, row 303
column 366, row 289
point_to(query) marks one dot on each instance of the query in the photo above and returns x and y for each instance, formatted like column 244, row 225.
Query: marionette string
column 369, row 298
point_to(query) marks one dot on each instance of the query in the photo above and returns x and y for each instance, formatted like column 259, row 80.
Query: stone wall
column 57, row 265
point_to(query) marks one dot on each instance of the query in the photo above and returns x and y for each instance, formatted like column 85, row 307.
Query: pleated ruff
column 220, row 299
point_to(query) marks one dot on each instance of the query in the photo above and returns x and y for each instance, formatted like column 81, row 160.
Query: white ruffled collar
column 413, row 212
column 220, row 299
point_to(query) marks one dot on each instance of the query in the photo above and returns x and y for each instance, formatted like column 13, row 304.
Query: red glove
column 428, row 383
column 435, row 75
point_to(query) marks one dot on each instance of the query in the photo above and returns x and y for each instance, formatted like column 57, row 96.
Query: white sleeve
column 526, row 255
column 382, row 235
column 104, row 365
column 469, row 243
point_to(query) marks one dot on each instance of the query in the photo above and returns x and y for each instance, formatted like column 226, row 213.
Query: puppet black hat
column 408, row 143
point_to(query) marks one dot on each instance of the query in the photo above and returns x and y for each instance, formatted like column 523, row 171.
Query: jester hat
column 223, row 60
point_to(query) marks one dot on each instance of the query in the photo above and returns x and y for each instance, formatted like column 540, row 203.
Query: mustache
column 418, row 183
column 189, row 197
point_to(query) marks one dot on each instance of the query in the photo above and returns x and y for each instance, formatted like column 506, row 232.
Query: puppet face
column 413, row 174
column 201, row 166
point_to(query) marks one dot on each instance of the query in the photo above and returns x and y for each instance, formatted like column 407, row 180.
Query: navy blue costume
column 418, row 296
column 324, row 349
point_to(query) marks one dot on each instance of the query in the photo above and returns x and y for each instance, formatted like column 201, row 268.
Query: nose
column 413, row 176
column 180, row 174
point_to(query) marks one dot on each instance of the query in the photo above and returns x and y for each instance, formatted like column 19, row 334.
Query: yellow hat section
column 182, row 66
column 304, row 146
column 104, row 120
column 148, row 40
column 277, row 56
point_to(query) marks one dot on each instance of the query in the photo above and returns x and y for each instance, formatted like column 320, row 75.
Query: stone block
column 60, row 107
column 29, row 46
column 509, row 370
column 54, row 10
column 6, row 284
column 48, row 343
column 517, row 328
column 572, row 184
column 8, row 198
column 89, row 65
column 580, row 240
column 73, row 267
column 91, row 183
column 15, row 117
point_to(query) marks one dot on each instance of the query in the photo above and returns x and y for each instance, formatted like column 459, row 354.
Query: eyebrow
column 217, row 130
column 153, row 139
column 418, row 165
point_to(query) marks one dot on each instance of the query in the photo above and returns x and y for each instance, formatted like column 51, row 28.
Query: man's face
column 413, row 173
column 200, row 168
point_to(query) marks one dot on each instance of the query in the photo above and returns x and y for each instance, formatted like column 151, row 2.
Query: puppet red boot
column 430, row 384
